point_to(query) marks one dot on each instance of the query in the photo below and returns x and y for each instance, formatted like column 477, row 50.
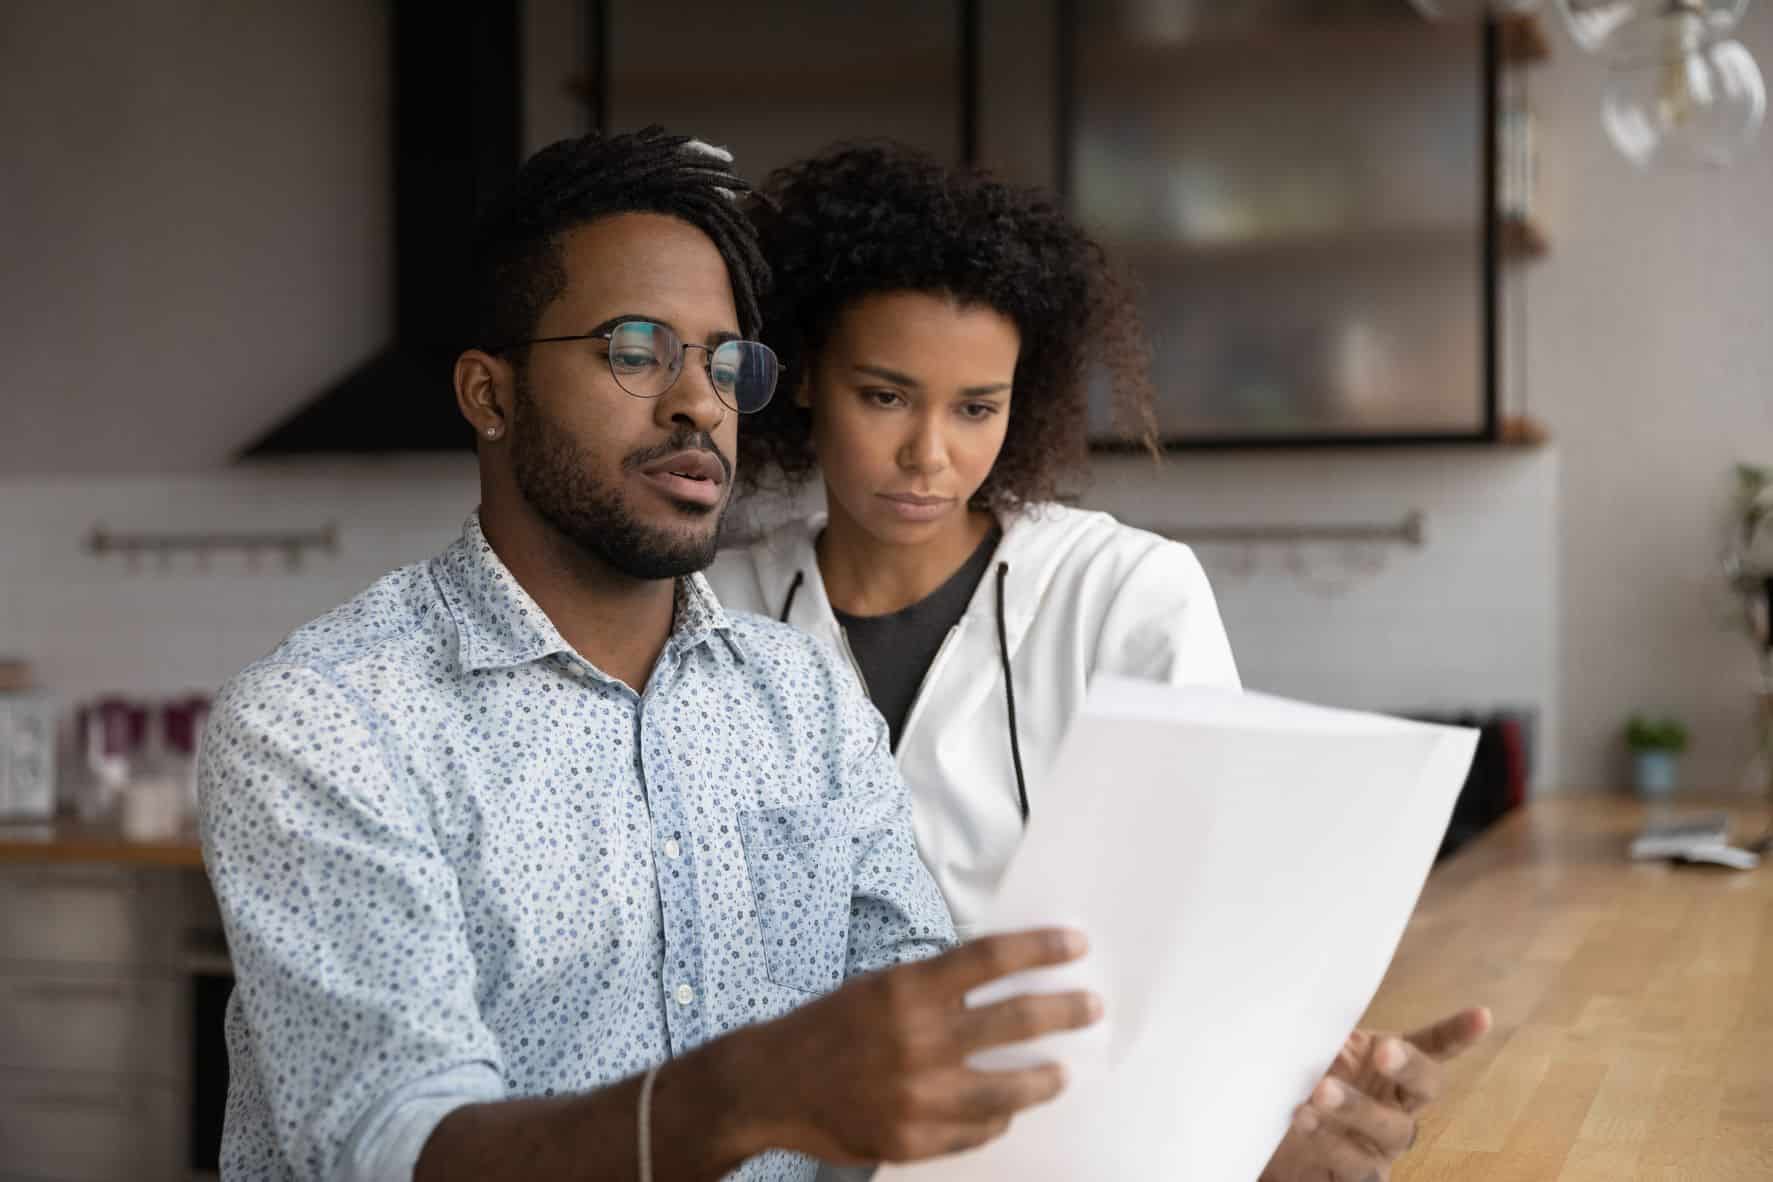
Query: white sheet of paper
column 1244, row 867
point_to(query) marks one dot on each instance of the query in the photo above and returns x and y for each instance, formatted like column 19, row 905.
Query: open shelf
column 1337, row 244
column 1114, row 65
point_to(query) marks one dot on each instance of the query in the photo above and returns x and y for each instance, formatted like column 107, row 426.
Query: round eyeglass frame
column 728, row 399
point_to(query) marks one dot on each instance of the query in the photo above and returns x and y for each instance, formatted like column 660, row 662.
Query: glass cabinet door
column 1298, row 190
column 775, row 80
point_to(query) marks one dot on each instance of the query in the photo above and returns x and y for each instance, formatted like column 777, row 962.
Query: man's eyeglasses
column 646, row 359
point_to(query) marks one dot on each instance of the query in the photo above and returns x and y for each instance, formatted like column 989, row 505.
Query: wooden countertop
column 67, row 839
column 1633, row 1005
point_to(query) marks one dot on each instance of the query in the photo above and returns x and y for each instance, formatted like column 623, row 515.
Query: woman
column 940, row 334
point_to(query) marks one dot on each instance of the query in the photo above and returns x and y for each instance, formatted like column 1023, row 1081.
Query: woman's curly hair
column 866, row 218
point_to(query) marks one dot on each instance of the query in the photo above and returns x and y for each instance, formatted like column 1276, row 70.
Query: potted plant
column 1656, row 746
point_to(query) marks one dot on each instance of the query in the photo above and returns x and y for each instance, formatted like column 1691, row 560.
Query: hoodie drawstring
column 1003, row 652
column 1009, row 690
column 793, row 590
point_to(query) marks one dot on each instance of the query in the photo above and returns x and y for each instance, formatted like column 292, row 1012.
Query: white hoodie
column 1082, row 594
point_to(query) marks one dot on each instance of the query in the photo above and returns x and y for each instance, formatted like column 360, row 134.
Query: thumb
column 1453, row 1036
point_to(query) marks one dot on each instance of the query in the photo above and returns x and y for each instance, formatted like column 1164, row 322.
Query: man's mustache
column 680, row 442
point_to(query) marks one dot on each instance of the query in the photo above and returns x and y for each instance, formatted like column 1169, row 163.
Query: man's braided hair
column 519, row 267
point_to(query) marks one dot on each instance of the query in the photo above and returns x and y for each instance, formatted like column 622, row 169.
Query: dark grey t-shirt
column 895, row 650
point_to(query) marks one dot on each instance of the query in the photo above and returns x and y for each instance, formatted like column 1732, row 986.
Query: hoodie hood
column 1037, row 540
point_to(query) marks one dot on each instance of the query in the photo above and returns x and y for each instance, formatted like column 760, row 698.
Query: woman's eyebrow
column 904, row 379
column 889, row 375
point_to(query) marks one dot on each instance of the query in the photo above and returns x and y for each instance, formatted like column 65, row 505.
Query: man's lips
column 692, row 465
column 696, row 476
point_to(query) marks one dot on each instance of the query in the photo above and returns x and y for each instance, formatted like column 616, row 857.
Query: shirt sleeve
column 353, row 974
column 1163, row 624
column 897, row 913
column 386, row 1144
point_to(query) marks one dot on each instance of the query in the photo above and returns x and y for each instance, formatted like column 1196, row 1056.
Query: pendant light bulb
column 1678, row 95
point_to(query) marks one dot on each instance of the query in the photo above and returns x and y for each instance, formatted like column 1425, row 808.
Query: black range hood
column 457, row 135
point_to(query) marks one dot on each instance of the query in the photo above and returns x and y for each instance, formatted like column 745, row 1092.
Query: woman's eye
column 883, row 397
column 978, row 410
column 633, row 359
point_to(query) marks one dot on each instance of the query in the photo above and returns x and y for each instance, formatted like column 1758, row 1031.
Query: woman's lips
column 917, row 507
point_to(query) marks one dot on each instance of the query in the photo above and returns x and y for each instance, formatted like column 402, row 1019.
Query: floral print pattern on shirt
column 440, row 837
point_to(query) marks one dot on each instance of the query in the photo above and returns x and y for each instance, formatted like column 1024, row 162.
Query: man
column 535, row 817
column 537, row 864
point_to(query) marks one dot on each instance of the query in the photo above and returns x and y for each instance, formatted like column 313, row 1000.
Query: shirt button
column 672, row 849
column 685, row 995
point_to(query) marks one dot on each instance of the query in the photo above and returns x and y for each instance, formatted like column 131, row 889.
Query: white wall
column 92, row 624
column 1649, row 357
column 196, row 223
column 1466, row 621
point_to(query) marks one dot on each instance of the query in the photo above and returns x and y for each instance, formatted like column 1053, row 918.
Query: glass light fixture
column 1676, row 93
column 1594, row 24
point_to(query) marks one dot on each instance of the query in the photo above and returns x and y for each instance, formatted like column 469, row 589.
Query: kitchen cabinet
column 98, row 964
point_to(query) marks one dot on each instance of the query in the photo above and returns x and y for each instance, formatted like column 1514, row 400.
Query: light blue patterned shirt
column 459, row 863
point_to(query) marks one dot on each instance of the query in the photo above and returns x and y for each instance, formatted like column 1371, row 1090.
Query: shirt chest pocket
column 800, row 861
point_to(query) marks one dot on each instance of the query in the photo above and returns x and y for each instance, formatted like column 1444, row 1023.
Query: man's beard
column 561, row 484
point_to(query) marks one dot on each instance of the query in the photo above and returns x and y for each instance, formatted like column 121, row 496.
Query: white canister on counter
column 153, row 808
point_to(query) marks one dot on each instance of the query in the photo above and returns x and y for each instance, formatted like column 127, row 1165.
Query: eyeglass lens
column 646, row 359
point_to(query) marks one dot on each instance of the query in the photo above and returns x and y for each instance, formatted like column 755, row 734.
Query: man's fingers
column 1031, row 1015
column 971, row 1136
column 1454, row 1035
column 992, row 957
column 1341, row 1157
column 962, row 1097
column 992, row 1095
column 1415, row 1077
column 1384, row 1127
column 939, row 1140
column 961, row 1109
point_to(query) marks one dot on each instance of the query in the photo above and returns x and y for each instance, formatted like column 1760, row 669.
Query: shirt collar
column 700, row 617
column 499, row 625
